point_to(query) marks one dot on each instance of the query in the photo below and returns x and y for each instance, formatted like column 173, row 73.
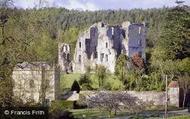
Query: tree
column 110, row 101
column 138, row 61
column 101, row 73
column 12, row 50
column 175, row 38
column 120, row 68
column 173, row 44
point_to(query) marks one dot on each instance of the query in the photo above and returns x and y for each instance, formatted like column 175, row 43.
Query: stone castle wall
column 64, row 57
column 101, row 44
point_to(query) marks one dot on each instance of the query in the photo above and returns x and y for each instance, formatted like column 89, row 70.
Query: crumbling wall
column 101, row 44
column 64, row 57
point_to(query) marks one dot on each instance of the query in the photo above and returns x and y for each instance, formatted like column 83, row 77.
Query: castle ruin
column 101, row 44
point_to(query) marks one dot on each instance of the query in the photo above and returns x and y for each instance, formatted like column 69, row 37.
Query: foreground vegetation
column 33, row 35
column 180, row 117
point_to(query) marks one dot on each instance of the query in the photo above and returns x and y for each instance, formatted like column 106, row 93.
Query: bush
column 85, row 82
column 113, row 84
column 58, row 109
column 61, row 115
column 61, row 105
column 67, row 80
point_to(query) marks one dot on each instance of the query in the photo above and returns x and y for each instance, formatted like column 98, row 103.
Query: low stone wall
column 156, row 98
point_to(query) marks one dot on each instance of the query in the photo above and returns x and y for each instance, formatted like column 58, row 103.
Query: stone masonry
column 64, row 57
column 32, row 80
column 101, row 44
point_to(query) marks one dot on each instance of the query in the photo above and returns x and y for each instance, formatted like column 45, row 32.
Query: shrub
column 62, row 105
column 113, row 84
column 58, row 108
column 85, row 82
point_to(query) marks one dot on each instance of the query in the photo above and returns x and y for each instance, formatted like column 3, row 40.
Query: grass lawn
column 180, row 117
column 67, row 80
column 90, row 114
column 148, row 114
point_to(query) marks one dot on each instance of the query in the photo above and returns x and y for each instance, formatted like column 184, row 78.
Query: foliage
column 120, row 68
column 58, row 109
column 81, row 103
column 67, row 80
column 180, row 117
column 113, row 84
column 170, row 56
column 101, row 74
column 137, row 61
column 33, row 34
column 85, row 82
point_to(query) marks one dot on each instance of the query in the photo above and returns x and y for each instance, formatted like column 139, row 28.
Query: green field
column 110, row 83
column 67, row 80
column 180, row 117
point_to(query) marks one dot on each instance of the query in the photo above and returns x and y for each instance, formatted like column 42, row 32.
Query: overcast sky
column 99, row 4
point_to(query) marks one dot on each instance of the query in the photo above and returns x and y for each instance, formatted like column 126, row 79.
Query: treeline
column 62, row 25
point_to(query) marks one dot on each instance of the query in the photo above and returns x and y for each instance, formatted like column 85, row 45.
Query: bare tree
column 111, row 101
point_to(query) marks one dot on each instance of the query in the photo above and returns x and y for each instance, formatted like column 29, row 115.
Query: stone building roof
column 32, row 65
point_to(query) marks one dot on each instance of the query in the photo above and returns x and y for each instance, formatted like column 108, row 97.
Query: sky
column 93, row 5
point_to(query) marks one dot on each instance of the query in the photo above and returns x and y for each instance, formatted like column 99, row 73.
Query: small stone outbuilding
column 37, row 82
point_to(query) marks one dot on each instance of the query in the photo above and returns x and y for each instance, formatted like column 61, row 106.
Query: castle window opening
column 79, row 58
column 68, row 57
column 66, row 49
column 106, row 45
column 95, row 55
column 102, row 57
column 106, row 58
column 64, row 56
column 79, row 44
column 102, row 25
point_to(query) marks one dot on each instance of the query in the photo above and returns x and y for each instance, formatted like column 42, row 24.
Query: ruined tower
column 64, row 57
